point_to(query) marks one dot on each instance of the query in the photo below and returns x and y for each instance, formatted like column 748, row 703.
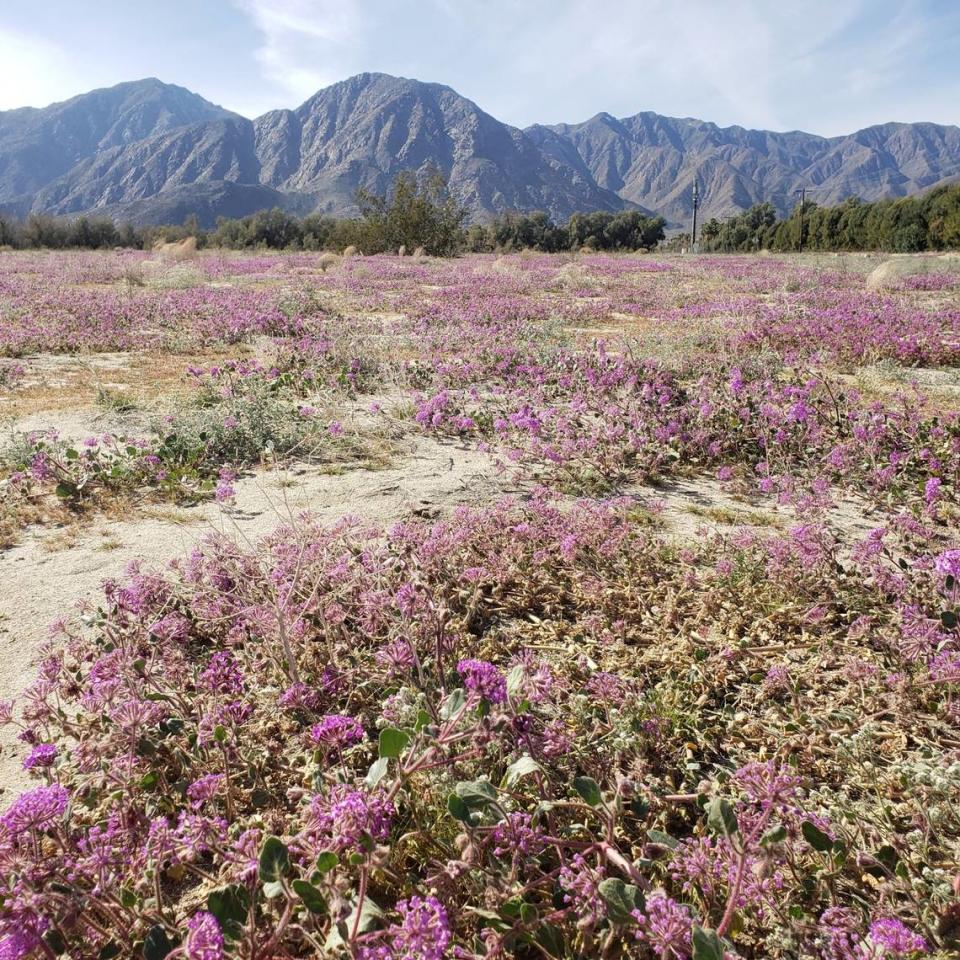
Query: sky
column 824, row 66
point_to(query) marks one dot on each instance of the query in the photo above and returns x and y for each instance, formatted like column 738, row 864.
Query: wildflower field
column 668, row 669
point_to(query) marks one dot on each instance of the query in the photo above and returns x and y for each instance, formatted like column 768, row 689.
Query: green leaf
column 64, row 491
column 312, row 898
column 377, row 771
column 470, row 798
column 54, row 940
column 370, row 916
column 393, row 742
column 458, row 809
column 156, row 945
column 326, row 861
column 774, row 835
column 476, row 793
column 230, row 905
column 589, row 789
column 423, row 721
column 519, row 769
column 886, row 861
column 815, row 837
column 706, row 944
column 149, row 780
column 663, row 839
column 948, row 618
column 551, row 940
column 274, row 860
column 453, row 704
column 621, row 898
column 721, row 817
column 111, row 950
column 528, row 913
column 512, row 908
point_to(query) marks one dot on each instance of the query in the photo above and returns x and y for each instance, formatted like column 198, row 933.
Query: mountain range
column 152, row 152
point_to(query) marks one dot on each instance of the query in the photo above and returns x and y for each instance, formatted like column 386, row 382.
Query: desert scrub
column 10, row 374
column 536, row 731
column 238, row 417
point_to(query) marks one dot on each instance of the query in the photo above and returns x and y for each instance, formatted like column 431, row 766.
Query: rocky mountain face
column 40, row 147
column 151, row 152
column 654, row 160
column 363, row 131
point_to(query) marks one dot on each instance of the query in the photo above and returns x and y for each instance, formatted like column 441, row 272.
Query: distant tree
column 317, row 230
column 11, row 232
column 419, row 212
column 942, row 213
column 275, row 229
column 416, row 212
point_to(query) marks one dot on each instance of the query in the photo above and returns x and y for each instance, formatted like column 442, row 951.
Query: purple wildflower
column 896, row 939
column 174, row 626
column 225, row 491
column 517, row 837
column 582, row 885
column 203, row 790
column 222, row 674
column 299, row 696
column 666, row 927
column 36, row 809
column 423, row 933
column 336, row 729
column 948, row 564
column 483, row 678
column 776, row 681
column 204, row 939
column 346, row 819
column 42, row 755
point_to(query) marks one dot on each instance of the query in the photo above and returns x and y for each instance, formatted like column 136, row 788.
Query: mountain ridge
column 147, row 149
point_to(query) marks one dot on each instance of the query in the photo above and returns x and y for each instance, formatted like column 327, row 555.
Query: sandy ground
column 50, row 571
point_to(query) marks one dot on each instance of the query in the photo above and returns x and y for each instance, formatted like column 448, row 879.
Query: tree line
column 421, row 213
column 929, row 221
column 415, row 213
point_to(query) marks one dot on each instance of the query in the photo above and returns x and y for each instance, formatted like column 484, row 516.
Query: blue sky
column 827, row 67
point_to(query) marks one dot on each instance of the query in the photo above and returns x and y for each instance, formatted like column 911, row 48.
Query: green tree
column 417, row 212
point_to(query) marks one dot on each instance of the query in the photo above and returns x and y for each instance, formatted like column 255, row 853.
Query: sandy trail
column 45, row 577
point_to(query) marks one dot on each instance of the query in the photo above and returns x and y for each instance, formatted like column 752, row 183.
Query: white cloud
column 828, row 66
column 33, row 69
column 306, row 44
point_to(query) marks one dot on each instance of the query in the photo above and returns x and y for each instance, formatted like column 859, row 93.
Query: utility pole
column 696, row 203
column 803, row 197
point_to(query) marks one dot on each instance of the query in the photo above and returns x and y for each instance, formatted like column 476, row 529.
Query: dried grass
column 177, row 251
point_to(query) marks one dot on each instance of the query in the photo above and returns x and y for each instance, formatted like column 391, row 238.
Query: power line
column 696, row 204
column 803, row 198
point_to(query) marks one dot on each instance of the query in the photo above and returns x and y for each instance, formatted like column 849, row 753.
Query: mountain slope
column 363, row 131
column 153, row 151
column 653, row 160
column 38, row 147
column 194, row 154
